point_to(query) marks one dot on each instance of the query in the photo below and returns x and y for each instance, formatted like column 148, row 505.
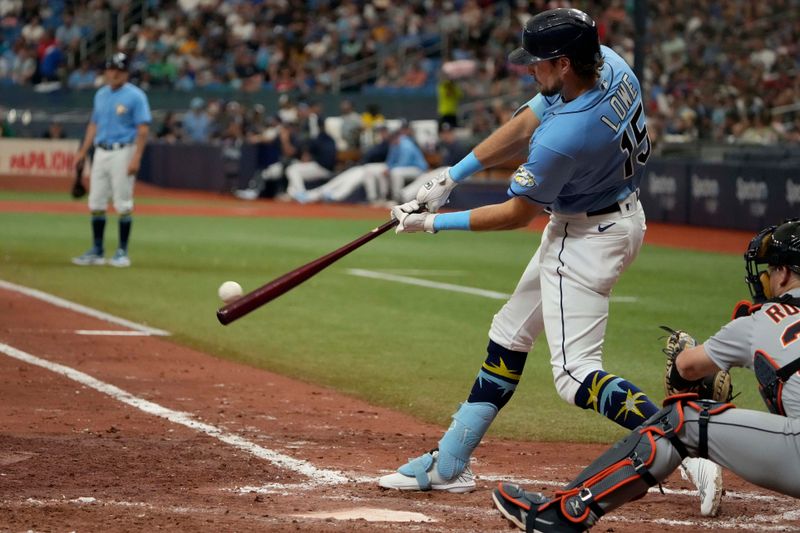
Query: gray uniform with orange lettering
column 763, row 448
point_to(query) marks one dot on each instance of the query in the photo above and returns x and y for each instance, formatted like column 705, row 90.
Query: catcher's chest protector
column 771, row 379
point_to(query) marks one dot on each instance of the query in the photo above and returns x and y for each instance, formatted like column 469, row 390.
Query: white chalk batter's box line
column 495, row 295
column 82, row 309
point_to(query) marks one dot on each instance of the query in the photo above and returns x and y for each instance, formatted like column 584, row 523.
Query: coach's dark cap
column 118, row 61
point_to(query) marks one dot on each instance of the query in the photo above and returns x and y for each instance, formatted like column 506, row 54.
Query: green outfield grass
column 405, row 347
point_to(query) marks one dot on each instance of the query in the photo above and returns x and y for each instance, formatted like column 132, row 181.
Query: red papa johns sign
column 39, row 161
column 37, row 157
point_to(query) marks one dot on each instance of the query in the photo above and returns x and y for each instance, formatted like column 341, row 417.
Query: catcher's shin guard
column 623, row 473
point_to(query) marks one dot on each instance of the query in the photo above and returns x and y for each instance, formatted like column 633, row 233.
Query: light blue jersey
column 404, row 153
column 118, row 113
column 590, row 152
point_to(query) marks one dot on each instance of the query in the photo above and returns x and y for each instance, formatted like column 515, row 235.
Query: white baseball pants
column 371, row 175
column 565, row 289
column 110, row 181
column 297, row 174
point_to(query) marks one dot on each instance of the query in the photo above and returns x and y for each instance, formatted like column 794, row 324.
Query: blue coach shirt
column 589, row 152
column 404, row 153
column 118, row 113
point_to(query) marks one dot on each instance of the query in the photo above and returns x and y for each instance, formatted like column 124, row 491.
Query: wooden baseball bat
column 266, row 293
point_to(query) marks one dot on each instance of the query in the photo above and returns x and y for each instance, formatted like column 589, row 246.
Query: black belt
column 112, row 146
column 612, row 208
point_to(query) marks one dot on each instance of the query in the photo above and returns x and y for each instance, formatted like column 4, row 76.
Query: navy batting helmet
column 118, row 61
column 555, row 33
column 773, row 246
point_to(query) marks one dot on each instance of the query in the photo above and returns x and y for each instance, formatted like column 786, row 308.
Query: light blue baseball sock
column 493, row 387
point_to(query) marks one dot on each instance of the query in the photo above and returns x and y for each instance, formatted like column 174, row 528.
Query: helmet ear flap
column 765, row 286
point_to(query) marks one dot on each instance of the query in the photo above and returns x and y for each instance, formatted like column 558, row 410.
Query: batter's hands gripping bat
column 78, row 190
column 266, row 293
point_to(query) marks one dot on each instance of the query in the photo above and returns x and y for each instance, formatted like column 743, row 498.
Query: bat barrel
column 280, row 285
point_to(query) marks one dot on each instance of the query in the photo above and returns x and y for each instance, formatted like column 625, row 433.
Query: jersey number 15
column 637, row 147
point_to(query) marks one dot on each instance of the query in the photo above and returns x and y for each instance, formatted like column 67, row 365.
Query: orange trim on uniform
column 779, row 392
column 714, row 411
column 525, row 506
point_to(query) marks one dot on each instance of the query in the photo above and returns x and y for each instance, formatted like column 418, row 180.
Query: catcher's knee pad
column 706, row 409
column 469, row 425
column 622, row 473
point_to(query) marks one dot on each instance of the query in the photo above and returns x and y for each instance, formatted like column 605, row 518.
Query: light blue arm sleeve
column 537, row 104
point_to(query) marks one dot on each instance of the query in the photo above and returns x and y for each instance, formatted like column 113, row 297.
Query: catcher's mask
column 772, row 246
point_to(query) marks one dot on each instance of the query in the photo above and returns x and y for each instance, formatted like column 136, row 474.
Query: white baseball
column 229, row 291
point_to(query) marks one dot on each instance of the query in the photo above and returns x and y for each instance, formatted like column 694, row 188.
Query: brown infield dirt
column 262, row 449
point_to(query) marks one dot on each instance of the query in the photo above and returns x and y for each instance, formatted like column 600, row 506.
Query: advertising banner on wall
column 712, row 195
column 664, row 191
column 38, row 157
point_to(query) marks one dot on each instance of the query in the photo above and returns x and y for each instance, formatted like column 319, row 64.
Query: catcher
column 763, row 448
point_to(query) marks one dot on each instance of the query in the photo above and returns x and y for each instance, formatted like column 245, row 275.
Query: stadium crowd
column 714, row 70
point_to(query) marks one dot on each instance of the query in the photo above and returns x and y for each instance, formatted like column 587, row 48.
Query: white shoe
column 464, row 482
column 707, row 477
column 120, row 259
column 92, row 257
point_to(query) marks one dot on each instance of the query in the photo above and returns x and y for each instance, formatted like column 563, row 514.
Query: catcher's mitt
column 716, row 386
column 78, row 190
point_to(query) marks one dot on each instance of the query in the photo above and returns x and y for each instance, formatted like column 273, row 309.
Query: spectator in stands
column 24, row 66
column 68, row 35
column 170, row 129
column 351, row 124
column 33, row 31
column 82, row 78
column 51, row 61
column 185, row 80
column 760, row 130
column 404, row 162
column 371, row 118
column 449, row 95
column 449, row 151
column 55, row 130
column 197, row 124
column 287, row 110
column 415, row 76
column 248, row 77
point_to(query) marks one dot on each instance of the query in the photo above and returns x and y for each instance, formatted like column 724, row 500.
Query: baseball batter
column 763, row 448
column 118, row 129
column 587, row 143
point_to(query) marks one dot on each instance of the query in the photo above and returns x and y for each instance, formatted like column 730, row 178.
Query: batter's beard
column 551, row 91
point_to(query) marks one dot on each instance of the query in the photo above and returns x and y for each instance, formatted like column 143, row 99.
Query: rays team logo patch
column 121, row 109
column 523, row 177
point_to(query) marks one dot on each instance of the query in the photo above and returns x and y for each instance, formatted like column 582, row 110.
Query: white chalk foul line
column 78, row 308
column 317, row 475
column 450, row 286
